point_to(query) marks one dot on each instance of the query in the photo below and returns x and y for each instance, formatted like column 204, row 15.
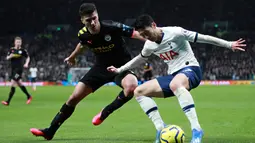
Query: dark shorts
column 16, row 74
column 97, row 76
column 193, row 73
column 147, row 75
column 33, row 79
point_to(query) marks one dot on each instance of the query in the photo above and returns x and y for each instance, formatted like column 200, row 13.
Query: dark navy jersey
column 147, row 66
column 18, row 60
column 108, row 45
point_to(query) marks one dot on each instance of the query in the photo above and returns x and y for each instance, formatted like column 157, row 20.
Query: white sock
column 187, row 104
column 150, row 108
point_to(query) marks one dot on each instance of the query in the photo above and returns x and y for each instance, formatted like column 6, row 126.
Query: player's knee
column 138, row 92
column 129, row 87
column 174, row 86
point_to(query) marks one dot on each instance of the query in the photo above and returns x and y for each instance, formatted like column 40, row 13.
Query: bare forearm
column 132, row 64
column 77, row 50
column 27, row 60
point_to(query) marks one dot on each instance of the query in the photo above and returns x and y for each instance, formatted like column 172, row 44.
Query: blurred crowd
column 48, row 53
column 49, row 48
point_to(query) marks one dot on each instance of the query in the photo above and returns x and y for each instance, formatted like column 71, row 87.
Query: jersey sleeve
column 82, row 36
column 25, row 53
column 183, row 34
column 121, row 29
column 148, row 48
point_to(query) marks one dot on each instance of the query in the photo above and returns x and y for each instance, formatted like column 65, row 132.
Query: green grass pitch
column 226, row 113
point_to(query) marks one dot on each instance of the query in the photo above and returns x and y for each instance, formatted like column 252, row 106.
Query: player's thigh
column 81, row 90
column 150, row 88
column 16, row 75
column 179, row 80
column 13, row 83
column 33, row 79
column 188, row 77
column 97, row 77
column 126, row 79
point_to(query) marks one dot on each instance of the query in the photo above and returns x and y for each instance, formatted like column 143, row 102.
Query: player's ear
column 153, row 25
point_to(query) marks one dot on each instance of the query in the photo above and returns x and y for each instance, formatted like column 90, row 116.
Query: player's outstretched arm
column 70, row 60
column 234, row 45
column 9, row 57
column 129, row 65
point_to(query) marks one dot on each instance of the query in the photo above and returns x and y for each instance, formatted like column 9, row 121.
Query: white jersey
column 174, row 48
column 33, row 72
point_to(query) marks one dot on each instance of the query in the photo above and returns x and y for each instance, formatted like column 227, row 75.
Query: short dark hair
column 87, row 9
column 143, row 21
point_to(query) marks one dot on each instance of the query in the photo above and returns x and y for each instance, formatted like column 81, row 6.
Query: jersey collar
column 158, row 42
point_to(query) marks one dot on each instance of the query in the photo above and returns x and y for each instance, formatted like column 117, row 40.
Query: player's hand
column 25, row 66
column 11, row 56
column 112, row 69
column 70, row 61
column 238, row 45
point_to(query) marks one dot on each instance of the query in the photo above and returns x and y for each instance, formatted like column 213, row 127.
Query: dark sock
column 23, row 88
column 116, row 104
column 64, row 113
column 11, row 94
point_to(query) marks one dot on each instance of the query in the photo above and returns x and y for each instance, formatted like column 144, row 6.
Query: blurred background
column 49, row 32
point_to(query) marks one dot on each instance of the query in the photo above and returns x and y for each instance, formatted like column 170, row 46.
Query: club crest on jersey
column 20, row 52
column 107, row 38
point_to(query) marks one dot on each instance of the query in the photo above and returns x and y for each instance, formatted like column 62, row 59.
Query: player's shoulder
column 150, row 45
column 172, row 32
column 172, row 29
column 111, row 24
column 22, row 50
column 83, row 32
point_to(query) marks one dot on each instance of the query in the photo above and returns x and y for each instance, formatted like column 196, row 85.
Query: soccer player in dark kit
column 147, row 72
column 104, row 38
column 16, row 55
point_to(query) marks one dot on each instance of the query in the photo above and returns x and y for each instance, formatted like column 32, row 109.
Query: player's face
column 18, row 43
column 91, row 22
column 149, row 33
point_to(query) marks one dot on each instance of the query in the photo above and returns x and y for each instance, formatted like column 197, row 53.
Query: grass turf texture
column 226, row 114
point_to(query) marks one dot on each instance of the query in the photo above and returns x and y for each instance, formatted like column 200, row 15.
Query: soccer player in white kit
column 172, row 45
column 33, row 71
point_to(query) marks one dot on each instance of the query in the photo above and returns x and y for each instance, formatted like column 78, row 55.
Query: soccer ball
column 172, row 134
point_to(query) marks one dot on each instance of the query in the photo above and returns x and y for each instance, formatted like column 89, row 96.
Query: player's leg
column 143, row 94
column 24, row 89
column 33, row 79
column 184, row 81
column 81, row 91
column 11, row 93
column 128, row 82
column 89, row 83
